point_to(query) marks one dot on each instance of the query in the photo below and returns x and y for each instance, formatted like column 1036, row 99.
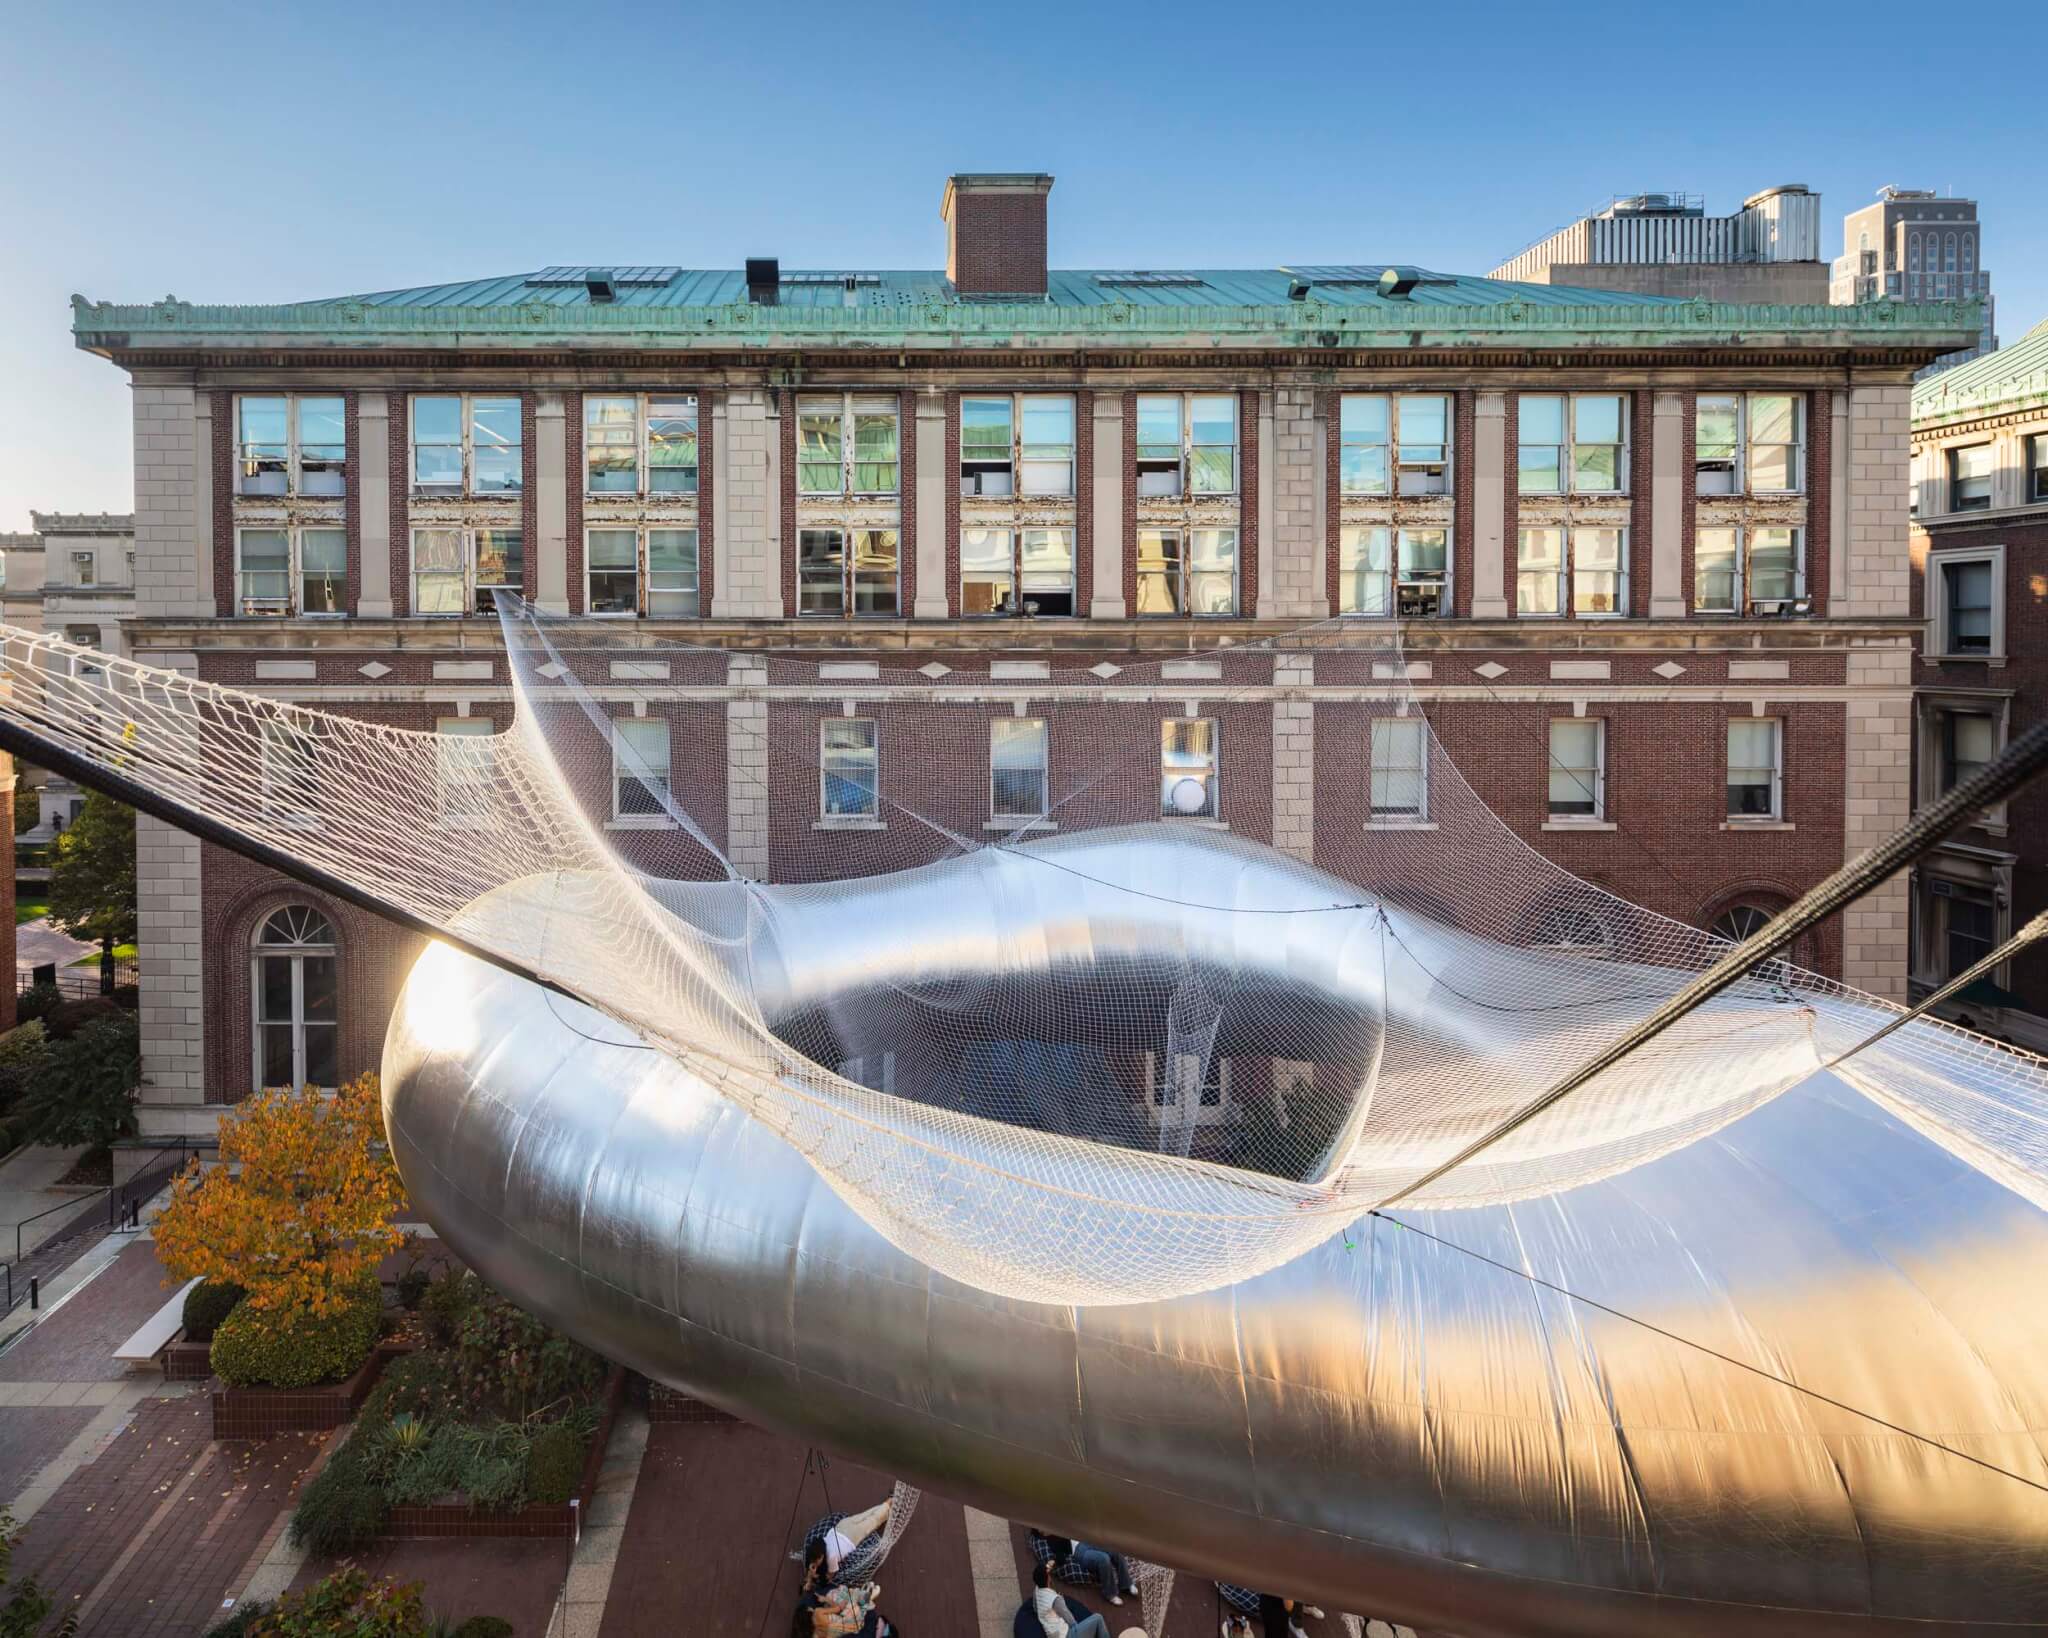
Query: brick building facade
column 1980, row 585
column 1666, row 537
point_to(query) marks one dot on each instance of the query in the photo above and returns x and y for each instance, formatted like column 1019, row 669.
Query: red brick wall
column 224, row 590
column 529, row 498
column 400, row 423
column 1688, row 525
column 1511, row 493
column 998, row 242
column 1641, row 476
column 1248, row 503
column 1462, row 408
column 572, row 511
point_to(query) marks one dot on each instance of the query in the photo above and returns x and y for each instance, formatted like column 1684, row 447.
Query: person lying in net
column 1056, row 1615
column 1078, row 1563
column 825, row 1609
column 852, row 1541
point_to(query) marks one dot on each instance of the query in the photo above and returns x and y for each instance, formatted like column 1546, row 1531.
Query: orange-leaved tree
column 300, row 1212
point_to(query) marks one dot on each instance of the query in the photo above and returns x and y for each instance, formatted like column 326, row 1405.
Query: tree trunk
column 106, row 966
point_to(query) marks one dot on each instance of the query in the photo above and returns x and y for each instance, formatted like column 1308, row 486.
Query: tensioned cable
column 1713, row 1353
column 2033, row 931
column 2014, row 767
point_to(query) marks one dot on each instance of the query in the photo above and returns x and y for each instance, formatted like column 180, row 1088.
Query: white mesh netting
column 991, row 944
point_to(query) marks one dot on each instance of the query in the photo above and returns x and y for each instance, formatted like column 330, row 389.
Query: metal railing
column 117, row 1211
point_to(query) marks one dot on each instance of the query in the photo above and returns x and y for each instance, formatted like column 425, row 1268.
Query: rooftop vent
column 764, row 280
column 600, row 283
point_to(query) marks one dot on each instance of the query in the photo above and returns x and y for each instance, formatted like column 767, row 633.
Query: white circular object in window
column 1188, row 796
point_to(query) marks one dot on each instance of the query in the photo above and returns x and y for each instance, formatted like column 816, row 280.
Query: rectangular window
column 611, row 445
column 849, row 769
column 1539, row 460
column 291, row 445
column 640, row 767
column 1400, row 771
column 1017, row 767
column 1717, row 444
column 467, row 445
column 1969, row 478
column 1755, row 767
column 1422, row 430
column 1775, row 443
column 1186, row 444
column 842, row 572
column 1599, row 572
column 634, row 444
column 1716, row 561
column 1969, row 739
column 1212, row 444
column 1539, row 572
column 1158, row 445
column 323, row 571
column 1578, row 768
column 1365, row 436
column 84, row 569
column 1599, row 443
column 672, row 574
column 1576, row 442
column 1191, row 572
column 1775, row 577
column 672, row 444
column 263, row 571
column 1422, row 566
column 1365, row 580
column 1023, row 572
column 1188, row 768
column 612, row 566
column 2037, row 467
column 1047, row 448
column 290, row 774
column 500, row 566
column 438, row 572
column 847, row 445
column 1966, row 590
column 987, row 447
column 464, row 765
column 1969, row 931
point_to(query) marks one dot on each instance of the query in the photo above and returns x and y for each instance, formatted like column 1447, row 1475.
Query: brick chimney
column 995, row 232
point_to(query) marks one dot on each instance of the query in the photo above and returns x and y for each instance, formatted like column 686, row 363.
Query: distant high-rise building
column 1914, row 245
column 1665, row 244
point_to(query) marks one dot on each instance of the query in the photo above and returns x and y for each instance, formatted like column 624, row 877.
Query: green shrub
column 292, row 1348
column 206, row 1305
column 37, row 1002
column 446, row 1301
column 67, row 1018
column 484, row 1626
column 348, row 1604
column 514, row 1360
column 554, row 1466
column 412, row 1287
column 28, row 808
column 494, row 1465
column 84, row 1089
column 241, row 1623
column 342, row 1509
column 24, row 1043
column 420, row 1384
column 430, row 1473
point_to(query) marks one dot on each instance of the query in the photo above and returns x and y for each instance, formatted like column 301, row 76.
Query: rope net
column 997, row 946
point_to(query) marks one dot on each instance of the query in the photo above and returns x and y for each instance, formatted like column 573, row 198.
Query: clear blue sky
column 285, row 151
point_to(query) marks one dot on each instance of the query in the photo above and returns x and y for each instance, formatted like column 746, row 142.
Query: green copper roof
column 2007, row 379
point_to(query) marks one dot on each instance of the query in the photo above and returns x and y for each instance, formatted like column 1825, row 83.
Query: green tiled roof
column 2009, row 378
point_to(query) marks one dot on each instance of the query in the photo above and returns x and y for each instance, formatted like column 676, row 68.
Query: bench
column 156, row 1332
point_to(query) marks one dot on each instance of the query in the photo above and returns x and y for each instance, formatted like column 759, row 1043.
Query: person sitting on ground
column 1056, row 1615
column 826, row 1609
column 1056, row 1553
column 853, row 1542
column 1111, row 1570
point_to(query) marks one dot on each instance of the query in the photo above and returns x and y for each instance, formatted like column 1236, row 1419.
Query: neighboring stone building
column 1665, row 244
column 1914, row 245
column 1980, row 580
column 1662, row 542
column 73, row 575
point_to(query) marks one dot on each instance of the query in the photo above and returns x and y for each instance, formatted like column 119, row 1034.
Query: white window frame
column 1183, row 461
column 288, row 775
column 1406, row 466
column 1776, row 815
column 1554, row 765
column 999, row 728
column 644, row 572
column 850, row 573
column 1020, row 455
column 827, row 814
column 1746, row 605
column 1952, row 474
column 644, row 467
column 459, row 774
column 1567, row 452
column 1163, row 1102
column 2034, row 470
column 1182, row 573
column 1022, row 600
column 1379, row 557
column 296, row 954
column 1940, row 639
column 292, row 603
column 849, row 407
column 295, row 449
column 1392, row 818
column 1206, row 771
column 1932, row 766
column 84, row 570
column 1935, row 888
column 622, row 818
column 467, row 444
column 473, row 583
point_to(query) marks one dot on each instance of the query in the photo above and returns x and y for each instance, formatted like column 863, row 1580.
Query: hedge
column 206, row 1305
column 291, row 1348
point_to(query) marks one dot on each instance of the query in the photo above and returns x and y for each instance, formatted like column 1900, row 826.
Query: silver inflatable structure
column 1724, row 1344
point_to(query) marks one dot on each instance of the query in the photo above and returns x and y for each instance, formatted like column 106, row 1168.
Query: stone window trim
column 845, row 800
column 1940, row 640
column 1956, row 871
column 1752, row 746
column 665, row 574
column 232, row 1008
column 1930, row 708
column 650, row 452
column 1576, row 785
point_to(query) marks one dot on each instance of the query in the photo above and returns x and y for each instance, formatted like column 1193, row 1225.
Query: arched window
column 1738, row 922
column 1913, row 252
column 293, row 999
column 1969, row 252
column 1948, row 255
column 1574, row 929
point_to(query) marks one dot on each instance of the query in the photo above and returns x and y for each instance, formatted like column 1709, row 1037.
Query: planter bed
column 187, row 1361
column 258, row 1413
column 408, row 1522
column 666, row 1404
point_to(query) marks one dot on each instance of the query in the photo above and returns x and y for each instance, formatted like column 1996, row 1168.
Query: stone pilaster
column 746, row 768
column 1294, row 755
column 1107, row 595
column 372, row 503
column 749, row 507
column 1488, row 522
column 1877, row 801
column 551, row 505
column 1877, row 456
column 1294, row 542
column 1670, row 495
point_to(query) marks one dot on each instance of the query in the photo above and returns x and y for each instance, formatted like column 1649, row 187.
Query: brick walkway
column 153, row 1532
column 76, row 1342
column 517, row 1581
